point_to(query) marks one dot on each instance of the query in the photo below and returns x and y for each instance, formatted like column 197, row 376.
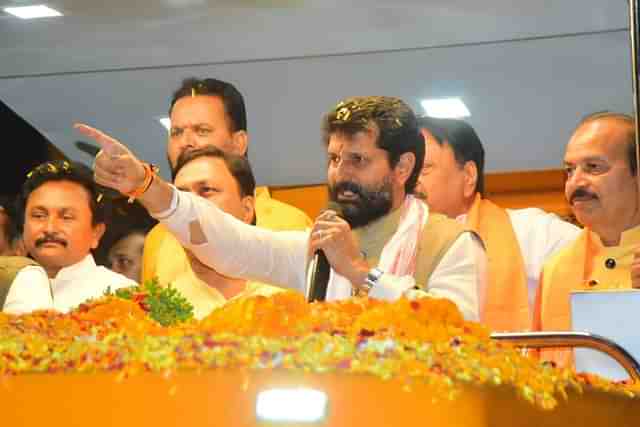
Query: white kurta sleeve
column 459, row 276
column 29, row 291
column 234, row 248
column 540, row 235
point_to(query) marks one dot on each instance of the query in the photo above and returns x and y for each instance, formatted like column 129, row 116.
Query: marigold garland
column 425, row 340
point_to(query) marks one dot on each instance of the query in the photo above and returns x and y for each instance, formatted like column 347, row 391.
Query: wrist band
column 150, row 172
column 372, row 279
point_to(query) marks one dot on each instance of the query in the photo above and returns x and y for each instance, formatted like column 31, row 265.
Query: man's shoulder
column 158, row 236
column 440, row 232
column 439, row 223
column 111, row 279
column 10, row 266
column 529, row 217
column 562, row 255
column 163, row 257
column 15, row 263
column 532, row 217
column 439, row 219
column 276, row 215
column 157, row 232
column 545, row 228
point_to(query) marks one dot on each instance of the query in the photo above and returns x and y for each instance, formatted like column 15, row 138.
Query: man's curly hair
column 393, row 121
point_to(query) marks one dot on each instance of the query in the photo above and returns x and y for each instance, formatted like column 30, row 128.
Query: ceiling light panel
column 32, row 12
column 445, row 108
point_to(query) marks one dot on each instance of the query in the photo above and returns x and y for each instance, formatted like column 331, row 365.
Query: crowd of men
column 408, row 218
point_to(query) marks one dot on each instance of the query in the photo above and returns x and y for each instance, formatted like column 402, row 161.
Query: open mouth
column 583, row 199
column 348, row 196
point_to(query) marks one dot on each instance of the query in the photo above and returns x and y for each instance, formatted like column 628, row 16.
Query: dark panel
column 23, row 148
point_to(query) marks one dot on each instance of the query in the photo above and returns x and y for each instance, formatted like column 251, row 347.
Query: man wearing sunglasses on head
column 62, row 221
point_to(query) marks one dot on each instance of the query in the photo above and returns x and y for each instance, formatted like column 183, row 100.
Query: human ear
column 98, row 232
column 240, row 140
column 470, row 178
column 405, row 166
column 248, row 208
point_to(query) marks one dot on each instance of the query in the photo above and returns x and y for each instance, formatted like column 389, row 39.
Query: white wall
column 525, row 97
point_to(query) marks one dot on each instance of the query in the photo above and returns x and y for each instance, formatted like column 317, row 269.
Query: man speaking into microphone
column 384, row 243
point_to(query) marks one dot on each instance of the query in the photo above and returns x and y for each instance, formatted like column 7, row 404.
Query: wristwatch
column 372, row 279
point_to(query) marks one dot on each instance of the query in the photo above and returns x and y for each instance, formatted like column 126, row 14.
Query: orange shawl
column 506, row 304
column 570, row 272
column 566, row 272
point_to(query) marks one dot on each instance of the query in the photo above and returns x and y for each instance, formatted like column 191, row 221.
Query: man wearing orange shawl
column 517, row 241
column 602, row 190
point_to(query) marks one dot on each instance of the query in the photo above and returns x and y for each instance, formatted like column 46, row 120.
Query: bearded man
column 386, row 243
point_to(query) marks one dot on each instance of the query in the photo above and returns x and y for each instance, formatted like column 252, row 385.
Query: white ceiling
column 97, row 35
column 116, row 63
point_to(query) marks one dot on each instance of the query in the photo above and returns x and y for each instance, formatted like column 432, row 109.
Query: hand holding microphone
column 319, row 268
column 333, row 245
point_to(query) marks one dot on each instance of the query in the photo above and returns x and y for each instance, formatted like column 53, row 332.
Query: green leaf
column 165, row 305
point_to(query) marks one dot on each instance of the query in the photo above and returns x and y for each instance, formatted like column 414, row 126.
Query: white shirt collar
column 74, row 271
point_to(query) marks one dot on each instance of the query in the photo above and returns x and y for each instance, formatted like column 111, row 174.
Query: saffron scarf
column 553, row 307
column 505, row 304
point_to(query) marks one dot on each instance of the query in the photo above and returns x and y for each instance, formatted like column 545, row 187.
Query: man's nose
column 577, row 178
column 51, row 223
column 338, row 174
column 187, row 139
column 343, row 169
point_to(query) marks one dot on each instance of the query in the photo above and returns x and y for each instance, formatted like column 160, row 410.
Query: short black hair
column 238, row 166
column 631, row 134
column 462, row 139
column 125, row 219
column 231, row 98
column 391, row 117
column 63, row 170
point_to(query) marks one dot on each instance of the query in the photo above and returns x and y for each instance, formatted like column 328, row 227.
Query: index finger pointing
column 109, row 145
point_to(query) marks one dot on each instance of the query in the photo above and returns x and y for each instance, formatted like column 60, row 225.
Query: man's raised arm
column 215, row 238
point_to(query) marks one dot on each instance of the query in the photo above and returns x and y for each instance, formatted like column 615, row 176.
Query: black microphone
column 319, row 268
